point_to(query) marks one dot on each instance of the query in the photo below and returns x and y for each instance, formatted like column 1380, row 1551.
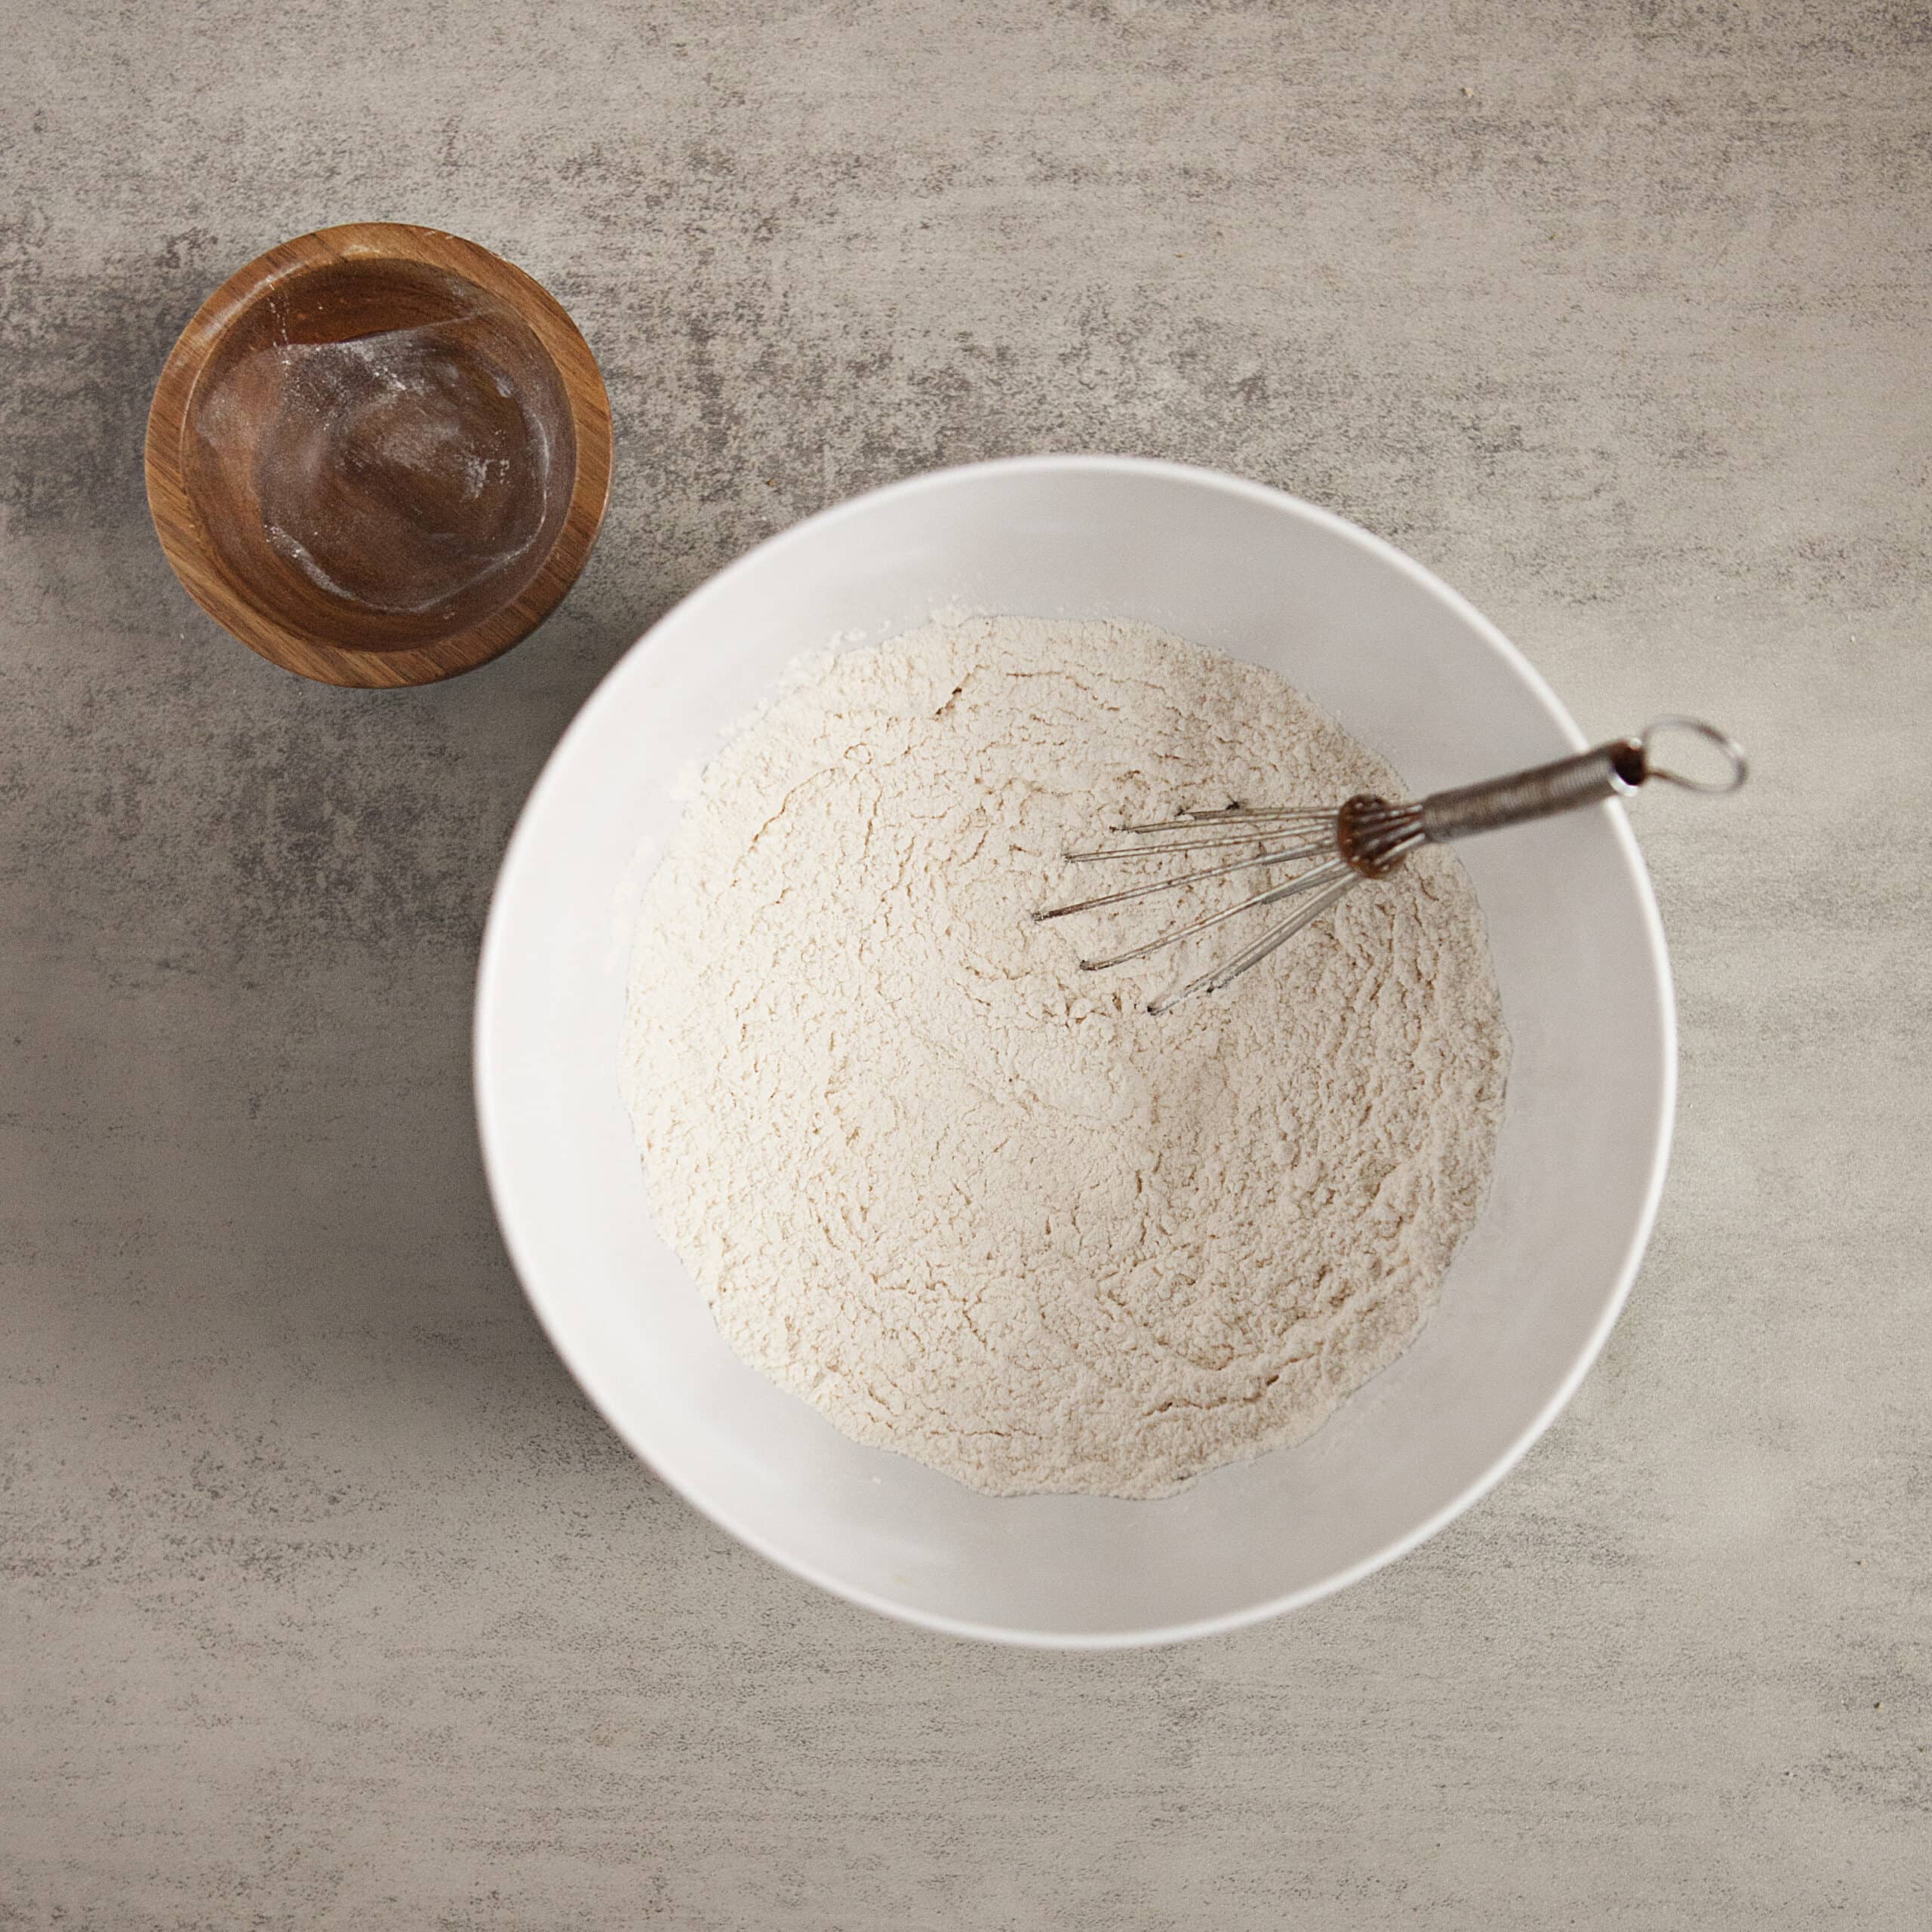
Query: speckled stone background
column 326, row 1601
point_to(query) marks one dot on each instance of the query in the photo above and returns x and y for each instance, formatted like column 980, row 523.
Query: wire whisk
column 1365, row 838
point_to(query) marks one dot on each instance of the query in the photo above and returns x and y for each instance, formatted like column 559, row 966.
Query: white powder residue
column 979, row 1206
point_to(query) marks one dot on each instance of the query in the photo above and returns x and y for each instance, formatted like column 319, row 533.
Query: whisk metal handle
column 1608, row 771
column 1612, row 770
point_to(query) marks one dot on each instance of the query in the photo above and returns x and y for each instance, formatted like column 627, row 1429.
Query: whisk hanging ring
column 1727, row 747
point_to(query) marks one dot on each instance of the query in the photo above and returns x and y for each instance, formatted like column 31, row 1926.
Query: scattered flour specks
column 979, row 1206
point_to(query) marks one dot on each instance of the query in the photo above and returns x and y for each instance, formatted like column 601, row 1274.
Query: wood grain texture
column 379, row 455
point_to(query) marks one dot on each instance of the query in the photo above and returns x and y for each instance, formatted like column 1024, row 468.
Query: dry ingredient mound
column 980, row 1207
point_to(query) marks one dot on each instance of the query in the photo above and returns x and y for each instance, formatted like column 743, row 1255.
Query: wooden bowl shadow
column 379, row 455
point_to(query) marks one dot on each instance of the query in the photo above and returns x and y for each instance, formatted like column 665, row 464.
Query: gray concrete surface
column 327, row 1601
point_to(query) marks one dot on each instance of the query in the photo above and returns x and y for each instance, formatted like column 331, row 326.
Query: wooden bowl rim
column 184, row 536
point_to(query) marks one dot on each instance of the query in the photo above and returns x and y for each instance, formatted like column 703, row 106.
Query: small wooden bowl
column 379, row 455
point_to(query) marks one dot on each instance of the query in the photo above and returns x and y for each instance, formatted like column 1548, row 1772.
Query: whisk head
column 1336, row 850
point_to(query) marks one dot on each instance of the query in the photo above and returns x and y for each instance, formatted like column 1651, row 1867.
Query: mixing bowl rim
column 551, row 1312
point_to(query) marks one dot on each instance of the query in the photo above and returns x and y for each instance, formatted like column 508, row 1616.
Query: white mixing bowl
column 1408, row 667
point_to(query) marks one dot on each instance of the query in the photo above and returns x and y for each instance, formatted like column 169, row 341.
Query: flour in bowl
column 981, row 1206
